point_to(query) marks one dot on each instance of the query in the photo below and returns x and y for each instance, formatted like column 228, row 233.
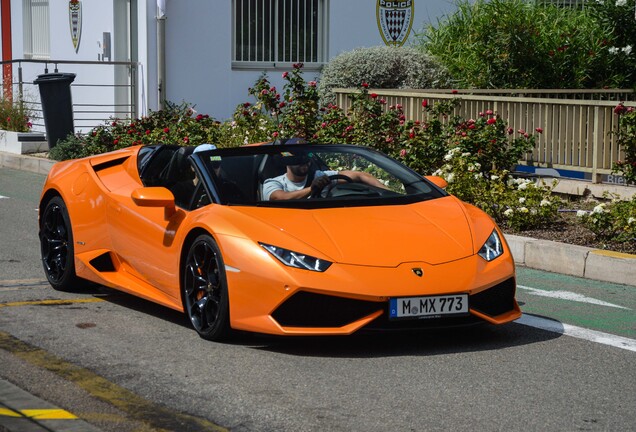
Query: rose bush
column 627, row 141
column 614, row 221
column 15, row 116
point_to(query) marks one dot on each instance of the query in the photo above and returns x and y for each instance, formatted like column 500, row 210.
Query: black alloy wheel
column 56, row 247
column 204, row 289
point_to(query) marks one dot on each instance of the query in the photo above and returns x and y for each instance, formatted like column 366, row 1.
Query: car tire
column 204, row 289
column 56, row 247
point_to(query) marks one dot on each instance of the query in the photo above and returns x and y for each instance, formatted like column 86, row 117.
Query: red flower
column 491, row 120
column 147, row 132
column 539, row 130
column 166, row 130
column 116, row 141
column 373, row 95
column 281, row 105
column 275, row 134
column 620, row 108
column 186, row 140
column 510, row 131
column 365, row 84
column 285, row 75
column 199, row 117
column 402, row 152
column 454, row 91
column 424, row 103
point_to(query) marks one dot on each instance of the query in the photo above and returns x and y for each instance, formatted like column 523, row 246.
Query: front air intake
column 305, row 309
column 496, row 300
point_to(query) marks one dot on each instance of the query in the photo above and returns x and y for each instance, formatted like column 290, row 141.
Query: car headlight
column 296, row 259
column 492, row 248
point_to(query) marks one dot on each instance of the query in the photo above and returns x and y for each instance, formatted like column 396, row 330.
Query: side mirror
column 155, row 197
column 437, row 181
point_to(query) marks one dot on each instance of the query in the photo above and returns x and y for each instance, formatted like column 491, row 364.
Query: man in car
column 293, row 184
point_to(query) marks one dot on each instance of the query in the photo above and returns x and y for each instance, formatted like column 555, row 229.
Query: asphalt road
column 124, row 364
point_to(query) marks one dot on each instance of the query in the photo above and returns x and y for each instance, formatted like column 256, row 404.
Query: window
column 35, row 20
column 277, row 33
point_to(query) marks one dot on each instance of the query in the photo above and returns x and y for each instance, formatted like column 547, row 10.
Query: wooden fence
column 578, row 134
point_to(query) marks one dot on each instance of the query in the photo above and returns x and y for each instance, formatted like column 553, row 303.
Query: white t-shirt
column 286, row 185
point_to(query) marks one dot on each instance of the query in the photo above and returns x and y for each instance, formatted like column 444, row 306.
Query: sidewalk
column 538, row 254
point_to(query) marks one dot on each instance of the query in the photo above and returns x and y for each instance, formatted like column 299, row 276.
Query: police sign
column 395, row 19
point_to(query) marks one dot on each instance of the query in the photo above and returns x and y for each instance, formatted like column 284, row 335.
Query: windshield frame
column 202, row 161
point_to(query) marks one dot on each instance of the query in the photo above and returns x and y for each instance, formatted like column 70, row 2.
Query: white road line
column 1, row 196
column 578, row 332
column 567, row 295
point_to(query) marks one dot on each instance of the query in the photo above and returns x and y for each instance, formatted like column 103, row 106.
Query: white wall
column 199, row 48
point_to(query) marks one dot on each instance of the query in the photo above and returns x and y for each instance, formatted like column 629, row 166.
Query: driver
column 293, row 183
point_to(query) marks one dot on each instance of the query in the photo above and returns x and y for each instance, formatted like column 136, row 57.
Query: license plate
column 429, row 306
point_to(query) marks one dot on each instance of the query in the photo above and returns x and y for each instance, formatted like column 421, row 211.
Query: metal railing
column 578, row 134
column 94, row 102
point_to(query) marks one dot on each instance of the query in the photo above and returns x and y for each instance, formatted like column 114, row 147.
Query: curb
column 26, row 163
column 579, row 261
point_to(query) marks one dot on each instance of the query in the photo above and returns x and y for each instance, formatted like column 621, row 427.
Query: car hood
column 435, row 232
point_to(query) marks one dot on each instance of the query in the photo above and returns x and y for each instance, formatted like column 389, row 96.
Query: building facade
column 204, row 52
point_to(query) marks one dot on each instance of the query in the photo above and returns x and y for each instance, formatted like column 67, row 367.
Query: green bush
column 627, row 141
column 518, row 204
column 381, row 67
column 614, row 221
column 177, row 124
column 15, row 116
column 520, row 44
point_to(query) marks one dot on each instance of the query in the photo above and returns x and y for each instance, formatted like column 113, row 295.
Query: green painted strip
column 134, row 406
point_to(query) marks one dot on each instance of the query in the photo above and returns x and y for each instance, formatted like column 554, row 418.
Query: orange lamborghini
column 286, row 239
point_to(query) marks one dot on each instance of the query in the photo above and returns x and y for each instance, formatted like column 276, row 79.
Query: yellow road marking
column 48, row 414
column 6, row 412
column 51, row 302
column 613, row 254
column 137, row 408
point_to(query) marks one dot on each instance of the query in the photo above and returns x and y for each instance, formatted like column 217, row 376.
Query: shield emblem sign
column 75, row 22
column 395, row 19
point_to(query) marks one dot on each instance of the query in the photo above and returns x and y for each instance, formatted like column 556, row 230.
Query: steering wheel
column 329, row 186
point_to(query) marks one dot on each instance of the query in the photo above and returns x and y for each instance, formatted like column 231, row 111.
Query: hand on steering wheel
column 324, row 181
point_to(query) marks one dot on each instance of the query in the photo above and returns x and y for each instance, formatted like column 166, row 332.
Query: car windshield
column 353, row 176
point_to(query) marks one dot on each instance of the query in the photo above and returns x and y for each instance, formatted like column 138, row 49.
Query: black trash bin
column 57, row 105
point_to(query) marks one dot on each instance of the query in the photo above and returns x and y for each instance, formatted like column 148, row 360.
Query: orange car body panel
column 146, row 244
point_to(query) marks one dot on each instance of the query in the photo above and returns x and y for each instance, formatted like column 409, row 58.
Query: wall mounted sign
column 75, row 22
column 395, row 19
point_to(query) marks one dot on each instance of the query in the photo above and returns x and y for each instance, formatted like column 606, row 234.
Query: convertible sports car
column 195, row 231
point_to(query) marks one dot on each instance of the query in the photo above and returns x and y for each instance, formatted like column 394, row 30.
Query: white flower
column 471, row 167
column 620, row 3
column 581, row 213
column 545, row 203
column 599, row 208
column 523, row 210
column 522, row 186
column 627, row 50
column 509, row 212
column 438, row 173
column 478, row 176
column 450, row 177
column 494, row 177
column 477, row 165
column 466, row 154
column 613, row 50
column 522, row 200
column 631, row 220
column 448, row 157
column 533, row 211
